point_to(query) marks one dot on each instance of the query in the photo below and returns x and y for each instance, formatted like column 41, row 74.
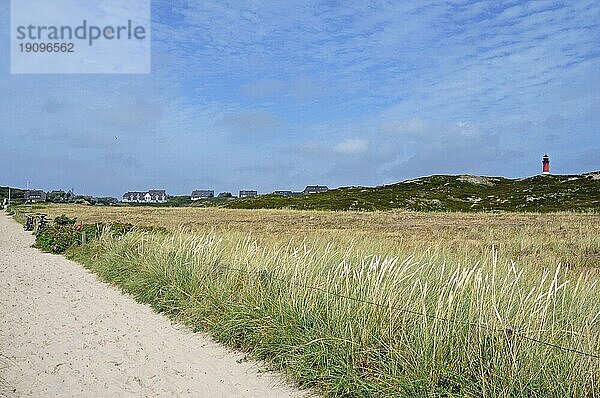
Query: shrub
column 64, row 220
column 57, row 238
column 63, row 233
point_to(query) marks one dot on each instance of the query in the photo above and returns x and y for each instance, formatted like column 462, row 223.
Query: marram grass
column 439, row 327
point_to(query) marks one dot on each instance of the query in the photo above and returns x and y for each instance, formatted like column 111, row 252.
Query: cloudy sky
column 278, row 95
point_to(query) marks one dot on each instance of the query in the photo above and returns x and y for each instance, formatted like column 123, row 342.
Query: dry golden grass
column 196, row 218
column 572, row 239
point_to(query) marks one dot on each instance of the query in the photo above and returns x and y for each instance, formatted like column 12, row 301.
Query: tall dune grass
column 354, row 320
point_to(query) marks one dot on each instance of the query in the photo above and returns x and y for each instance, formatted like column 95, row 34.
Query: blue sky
column 278, row 95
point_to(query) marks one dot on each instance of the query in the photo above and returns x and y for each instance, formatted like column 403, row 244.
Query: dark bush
column 56, row 238
column 92, row 231
column 64, row 220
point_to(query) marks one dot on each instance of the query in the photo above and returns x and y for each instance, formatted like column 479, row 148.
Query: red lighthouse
column 546, row 164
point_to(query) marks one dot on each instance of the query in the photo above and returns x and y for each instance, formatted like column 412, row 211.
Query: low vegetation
column 548, row 193
column 373, row 304
column 65, row 233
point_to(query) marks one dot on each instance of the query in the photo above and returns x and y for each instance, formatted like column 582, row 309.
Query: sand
column 67, row 334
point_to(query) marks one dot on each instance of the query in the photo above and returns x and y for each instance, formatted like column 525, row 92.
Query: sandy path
column 68, row 335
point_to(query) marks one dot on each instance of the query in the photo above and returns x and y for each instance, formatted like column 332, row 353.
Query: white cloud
column 352, row 146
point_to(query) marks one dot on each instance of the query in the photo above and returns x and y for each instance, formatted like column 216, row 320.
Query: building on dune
column 202, row 194
column 248, row 194
column 283, row 193
column 151, row 196
column 312, row 189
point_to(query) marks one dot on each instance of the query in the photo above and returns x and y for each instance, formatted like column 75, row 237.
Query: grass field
column 374, row 304
column 528, row 239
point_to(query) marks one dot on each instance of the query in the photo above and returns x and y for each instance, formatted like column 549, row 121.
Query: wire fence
column 510, row 331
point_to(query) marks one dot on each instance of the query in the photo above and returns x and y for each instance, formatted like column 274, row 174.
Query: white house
column 151, row 196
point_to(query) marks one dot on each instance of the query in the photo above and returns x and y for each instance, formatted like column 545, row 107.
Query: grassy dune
column 465, row 193
column 406, row 304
